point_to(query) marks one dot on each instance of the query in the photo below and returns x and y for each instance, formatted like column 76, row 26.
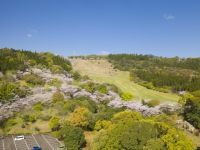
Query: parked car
column 61, row 147
column 19, row 137
column 36, row 148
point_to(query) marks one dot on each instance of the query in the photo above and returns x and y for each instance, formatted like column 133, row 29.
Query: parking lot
column 45, row 141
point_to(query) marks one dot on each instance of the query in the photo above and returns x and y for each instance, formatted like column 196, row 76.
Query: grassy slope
column 102, row 71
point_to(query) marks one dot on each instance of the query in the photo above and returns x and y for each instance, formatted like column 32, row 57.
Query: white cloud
column 168, row 17
column 29, row 35
column 104, row 52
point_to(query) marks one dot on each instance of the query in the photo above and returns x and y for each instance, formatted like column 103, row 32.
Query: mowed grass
column 102, row 71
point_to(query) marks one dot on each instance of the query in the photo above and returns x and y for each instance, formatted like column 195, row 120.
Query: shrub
column 126, row 96
column 55, row 82
column 54, row 123
column 76, row 76
column 153, row 103
column 102, row 89
column 89, row 86
column 33, row 79
column 28, row 118
column 38, row 106
column 57, row 96
column 23, row 126
column 7, row 91
column 56, row 69
column 22, row 91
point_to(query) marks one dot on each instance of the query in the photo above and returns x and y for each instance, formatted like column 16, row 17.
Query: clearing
column 102, row 71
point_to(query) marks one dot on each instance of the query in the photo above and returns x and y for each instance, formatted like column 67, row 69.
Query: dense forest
column 176, row 74
column 11, row 59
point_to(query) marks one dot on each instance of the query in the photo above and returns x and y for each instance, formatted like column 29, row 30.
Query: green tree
column 81, row 117
column 73, row 137
column 133, row 132
column 192, row 111
column 54, row 123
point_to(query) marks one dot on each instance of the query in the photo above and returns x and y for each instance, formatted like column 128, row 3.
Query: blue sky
column 76, row 27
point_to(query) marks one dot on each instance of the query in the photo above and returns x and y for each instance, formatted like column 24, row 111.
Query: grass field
column 103, row 72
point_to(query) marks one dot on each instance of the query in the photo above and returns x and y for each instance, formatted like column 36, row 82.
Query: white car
column 19, row 137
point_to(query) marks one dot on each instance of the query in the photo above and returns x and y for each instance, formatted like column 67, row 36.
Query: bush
column 7, row 91
column 76, row 76
column 22, row 91
column 102, row 89
column 38, row 106
column 56, row 69
column 89, row 86
column 153, row 103
column 55, row 82
column 33, row 79
column 54, row 123
column 57, row 96
column 23, row 126
column 28, row 118
column 126, row 96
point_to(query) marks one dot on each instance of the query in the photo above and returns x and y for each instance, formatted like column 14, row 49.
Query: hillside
column 160, row 73
column 43, row 93
column 102, row 71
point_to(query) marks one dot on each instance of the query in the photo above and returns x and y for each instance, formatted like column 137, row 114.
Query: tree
column 192, row 111
column 126, row 115
column 54, row 123
column 81, row 117
column 73, row 137
column 102, row 124
column 135, row 133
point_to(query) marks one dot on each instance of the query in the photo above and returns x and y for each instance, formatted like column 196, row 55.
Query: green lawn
column 103, row 72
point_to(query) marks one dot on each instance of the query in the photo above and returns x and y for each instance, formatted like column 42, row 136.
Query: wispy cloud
column 29, row 35
column 168, row 16
column 104, row 52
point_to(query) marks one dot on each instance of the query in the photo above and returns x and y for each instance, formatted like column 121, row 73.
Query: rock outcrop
column 72, row 91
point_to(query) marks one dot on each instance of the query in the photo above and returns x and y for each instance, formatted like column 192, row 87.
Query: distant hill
column 175, row 73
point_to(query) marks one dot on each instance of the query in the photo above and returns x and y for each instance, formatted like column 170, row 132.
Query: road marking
column 35, row 140
column 58, row 141
column 47, row 142
column 3, row 144
column 26, row 144
column 14, row 143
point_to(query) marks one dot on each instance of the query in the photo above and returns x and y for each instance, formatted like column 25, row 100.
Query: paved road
column 45, row 141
